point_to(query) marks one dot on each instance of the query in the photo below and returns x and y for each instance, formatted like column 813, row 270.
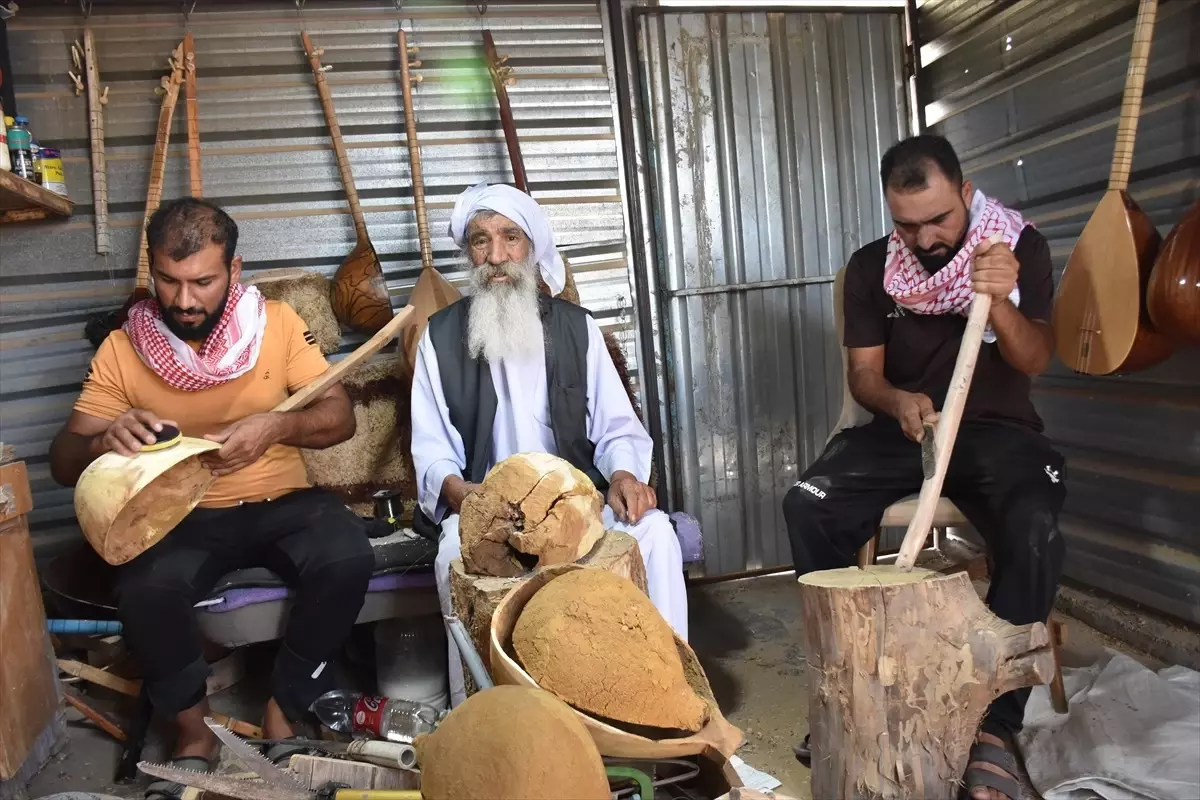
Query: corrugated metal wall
column 764, row 137
column 1029, row 94
column 266, row 157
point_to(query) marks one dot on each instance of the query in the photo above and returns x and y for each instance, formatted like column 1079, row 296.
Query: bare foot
column 985, row 792
column 195, row 739
column 275, row 722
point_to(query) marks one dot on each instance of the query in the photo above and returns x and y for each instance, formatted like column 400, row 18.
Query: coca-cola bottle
column 394, row 719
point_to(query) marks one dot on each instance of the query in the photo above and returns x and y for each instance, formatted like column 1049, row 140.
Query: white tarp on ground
column 1130, row 734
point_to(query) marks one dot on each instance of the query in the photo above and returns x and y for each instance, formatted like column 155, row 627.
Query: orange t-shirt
column 288, row 360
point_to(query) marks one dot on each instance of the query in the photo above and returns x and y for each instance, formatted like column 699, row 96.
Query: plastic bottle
column 18, row 148
column 377, row 717
column 410, row 659
column 5, row 159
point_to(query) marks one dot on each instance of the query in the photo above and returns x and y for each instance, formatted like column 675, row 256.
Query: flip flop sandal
column 803, row 752
column 978, row 777
column 163, row 789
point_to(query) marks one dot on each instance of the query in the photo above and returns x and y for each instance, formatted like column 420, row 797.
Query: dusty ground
column 747, row 634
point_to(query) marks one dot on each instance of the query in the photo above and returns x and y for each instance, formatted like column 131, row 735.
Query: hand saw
column 276, row 783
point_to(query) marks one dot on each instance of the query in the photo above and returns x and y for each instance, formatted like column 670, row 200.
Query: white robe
column 522, row 426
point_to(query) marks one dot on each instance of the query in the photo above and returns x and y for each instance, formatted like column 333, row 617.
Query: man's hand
column 455, row 490
column 630, row 498
column 994, row 271
column 913, row 411
column 130, row 431
column 242, row 443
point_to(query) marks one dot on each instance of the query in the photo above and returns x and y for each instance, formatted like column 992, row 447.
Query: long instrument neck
column 158, row 164
column 414, row 154
column 1131, row 101
column 96, row 126
column 506, row 116
column 335, row 133
column 195, row 181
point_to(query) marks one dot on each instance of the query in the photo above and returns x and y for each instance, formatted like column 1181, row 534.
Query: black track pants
column 1008, row 481
column 308, row 538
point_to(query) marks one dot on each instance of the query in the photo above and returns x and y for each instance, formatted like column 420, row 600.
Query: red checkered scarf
column 949, row 290
column 231, row 350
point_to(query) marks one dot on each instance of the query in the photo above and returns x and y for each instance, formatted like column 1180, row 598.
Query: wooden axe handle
column 947, row 428
column 335, row 373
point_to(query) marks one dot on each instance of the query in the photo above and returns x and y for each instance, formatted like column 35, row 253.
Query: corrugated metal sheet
column 266, row 157
column 1029, row 94
column 764, row 137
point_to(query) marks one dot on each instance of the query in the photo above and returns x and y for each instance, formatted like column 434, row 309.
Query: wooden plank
column 100, row 677
column 316, row 771
column 18, row 194
column 15, row 498
column 29, row 691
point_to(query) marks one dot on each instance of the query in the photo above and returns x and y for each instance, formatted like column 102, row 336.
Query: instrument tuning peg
column 77, row 81
column 510, row 81
column 326, row 68
column 413, row 49
column 104, row 96
column 416, row 78
column 414, row 63
column 318, row 52
column 502, row 59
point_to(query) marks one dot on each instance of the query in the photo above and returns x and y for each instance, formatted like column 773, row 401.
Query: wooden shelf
column 25, row 201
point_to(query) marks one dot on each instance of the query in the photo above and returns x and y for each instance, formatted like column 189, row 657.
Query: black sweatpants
column 308, row 538
column 1007, row 481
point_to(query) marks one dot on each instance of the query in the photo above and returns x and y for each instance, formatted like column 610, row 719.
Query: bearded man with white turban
column 539, row 368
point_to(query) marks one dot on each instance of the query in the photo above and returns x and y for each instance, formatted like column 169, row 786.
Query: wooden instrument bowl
column 1099, row 319
column 1173, row 296
column 126, row 505
column 359, row 294
column 718, row 733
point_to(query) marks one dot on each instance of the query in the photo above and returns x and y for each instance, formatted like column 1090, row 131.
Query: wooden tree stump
column 903, row 666
column 474, row 598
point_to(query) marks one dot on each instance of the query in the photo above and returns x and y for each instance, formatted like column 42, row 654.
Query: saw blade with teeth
column 257, row 763
column 224, row 785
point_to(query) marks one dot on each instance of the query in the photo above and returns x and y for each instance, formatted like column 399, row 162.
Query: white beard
column 504, row 322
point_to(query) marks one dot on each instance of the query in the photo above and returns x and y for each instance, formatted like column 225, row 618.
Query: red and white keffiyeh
column 230, row 351
column 949, row 290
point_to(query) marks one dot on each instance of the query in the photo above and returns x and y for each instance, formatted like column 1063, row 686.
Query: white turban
column 521, row 209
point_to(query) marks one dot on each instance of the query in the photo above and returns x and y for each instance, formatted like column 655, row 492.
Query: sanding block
column 169, row 436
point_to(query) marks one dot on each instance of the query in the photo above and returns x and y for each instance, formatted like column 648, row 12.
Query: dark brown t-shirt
column 921, row 349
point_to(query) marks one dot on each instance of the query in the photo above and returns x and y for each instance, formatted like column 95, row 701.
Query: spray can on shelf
column 18, row 148
column 35, row 150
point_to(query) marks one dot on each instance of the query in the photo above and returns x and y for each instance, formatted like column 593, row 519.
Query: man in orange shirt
column 211, row 357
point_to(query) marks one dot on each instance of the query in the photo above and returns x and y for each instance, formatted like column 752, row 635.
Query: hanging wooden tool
column 502, row 78
column 99, row 327
column 1173, row 296
column 96, row 100
column 195, row 182
column 432, row 292
column 1100, row 319
column 125, row 505
column 359, row 293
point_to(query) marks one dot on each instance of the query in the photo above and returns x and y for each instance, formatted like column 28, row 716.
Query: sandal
column 803, row 752
column 1002, row 757
column 163, row 789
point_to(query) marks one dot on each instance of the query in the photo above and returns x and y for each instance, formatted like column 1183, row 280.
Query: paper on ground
column 753, row 778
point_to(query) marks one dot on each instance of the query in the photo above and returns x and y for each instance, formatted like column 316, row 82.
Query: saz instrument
column 126, row 505
column 1100, row 321
column 359, row 293
column 502, row 78
column 99, row 328
column 195, row 184
column 947, row 427
column 432, row 292
column 96, row 102
column 1173, row 296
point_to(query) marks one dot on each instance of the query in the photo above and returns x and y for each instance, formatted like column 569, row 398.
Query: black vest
column 471, row 397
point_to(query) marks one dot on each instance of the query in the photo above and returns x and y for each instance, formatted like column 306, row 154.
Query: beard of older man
column 504, row 322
